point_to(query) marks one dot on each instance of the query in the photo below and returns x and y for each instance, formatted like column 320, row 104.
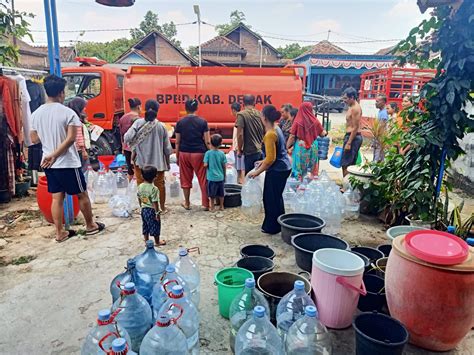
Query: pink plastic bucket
column 337, row 283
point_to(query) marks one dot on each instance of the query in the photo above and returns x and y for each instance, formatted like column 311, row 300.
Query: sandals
column 70, row 233
column 100, row 228
column 187, row 208
column 161, row 243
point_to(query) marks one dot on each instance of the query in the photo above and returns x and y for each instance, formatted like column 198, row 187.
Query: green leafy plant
column 462, row 228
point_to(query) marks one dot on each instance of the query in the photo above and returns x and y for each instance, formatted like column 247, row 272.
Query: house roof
column 385, row 51
column 27, row 49
column 66, row 54
column 136, row 48
column 325, row 47
column 222, row 44
column 256, row 35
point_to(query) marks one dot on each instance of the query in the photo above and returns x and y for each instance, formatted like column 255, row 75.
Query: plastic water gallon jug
column 352, row 204
column 142, row 282
column 336, row 157
column 258, row 336
column 186, row 314
column 105, row 331
column 323, row 147
column 152, row 262
column 230, row 174
column 251, row 198
column 165, row 338
column 135, row 314
column 119, row 347
column 195, row 196
column 189, row 271
column 292, row 307
column 161, row 290
column 110, row 177
column 121, row 180
column 241, row 308
column 102, row 188
column 308, row 336
column 132, row 191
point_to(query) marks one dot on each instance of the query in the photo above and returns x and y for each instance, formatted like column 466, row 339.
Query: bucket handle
column 342, row 281
column 308, row 275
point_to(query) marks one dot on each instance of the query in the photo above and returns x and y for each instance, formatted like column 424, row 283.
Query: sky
column 358, row 26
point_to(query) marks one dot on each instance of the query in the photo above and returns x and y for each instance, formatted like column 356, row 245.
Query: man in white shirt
column 55, row 126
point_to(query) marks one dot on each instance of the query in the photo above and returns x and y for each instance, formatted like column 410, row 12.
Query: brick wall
column 250, row 43
column 32, row 62
column 168, row 55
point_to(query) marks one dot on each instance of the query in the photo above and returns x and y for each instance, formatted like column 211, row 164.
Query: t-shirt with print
column 147, row 194
column 249, row 119
column 51, row 121
column 192, row 129
column 215, row 160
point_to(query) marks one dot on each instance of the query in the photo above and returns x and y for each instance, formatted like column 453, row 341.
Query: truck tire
column 100, row 147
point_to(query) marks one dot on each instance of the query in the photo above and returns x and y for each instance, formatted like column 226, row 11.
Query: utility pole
column 13, row 20
column 260, row 45
column 197, row 11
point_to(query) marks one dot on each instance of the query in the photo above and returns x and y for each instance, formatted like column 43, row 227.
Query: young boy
column 215, row 161
column 149, row 200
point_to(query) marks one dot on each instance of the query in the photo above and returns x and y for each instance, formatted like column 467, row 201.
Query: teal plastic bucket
column 230, row 282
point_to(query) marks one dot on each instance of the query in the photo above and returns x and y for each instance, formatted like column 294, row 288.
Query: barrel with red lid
column 45, row 199
column 435, row 301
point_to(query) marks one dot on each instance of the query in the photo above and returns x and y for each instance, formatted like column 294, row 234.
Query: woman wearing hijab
column 83, row 143
column 149, row 140
column 304, row 132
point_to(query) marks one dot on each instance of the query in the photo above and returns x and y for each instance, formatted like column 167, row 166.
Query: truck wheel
column 100, row 147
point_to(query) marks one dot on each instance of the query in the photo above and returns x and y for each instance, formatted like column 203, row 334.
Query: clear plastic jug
column 251, row 198
column 161, row 290
column 165, row 338
column 241, row 308
column 142, row 282
column 308, row 336
column 352, row 204
column 152, row 262
column 132, row 191
column 121, row 180
column 135, row 314
column 104, row 332
column 110, row 176
column 187, row 317
column 230, row 174
column 102, row 188
column 119, row 347
column 292, row 307
column 189, row 271
column 258, row 336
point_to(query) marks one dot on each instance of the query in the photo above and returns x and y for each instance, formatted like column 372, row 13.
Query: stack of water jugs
column 105, row 186
column 321, row 197
column 298, row 329
column 154, row 308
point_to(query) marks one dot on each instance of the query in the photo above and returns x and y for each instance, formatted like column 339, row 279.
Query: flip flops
column 100, row 228
column 70, row 233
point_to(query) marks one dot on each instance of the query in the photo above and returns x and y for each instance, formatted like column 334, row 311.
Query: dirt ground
column 51, row 292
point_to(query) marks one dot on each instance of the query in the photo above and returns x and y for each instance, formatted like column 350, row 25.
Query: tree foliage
column 150, row 24
column 236, row 17
column 108, row 51
column 12, row 24
column 407, row 184
column 293, row 50
column 193, row 51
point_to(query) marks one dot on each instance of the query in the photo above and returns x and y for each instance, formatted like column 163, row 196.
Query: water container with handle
column 308, row 335
column 292, row 307
column 119, row 347
column 152, row 262
column 258, row 336
column 189, row 271
column 135, row 314
column 336, row 157
column 323, row 147
column 186, row 315
column 106, row 330
column 132, row 191
column 142, row 282
column 242, row 307
column 161, row 290
column 102, row 188
column 165, row 338
column 111, row 180
column 121, row 180
column 251, row 198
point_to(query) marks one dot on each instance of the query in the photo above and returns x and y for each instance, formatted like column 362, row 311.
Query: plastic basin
column 296, row 223
column 258, row 265
column 396, row 231
column 257, row 250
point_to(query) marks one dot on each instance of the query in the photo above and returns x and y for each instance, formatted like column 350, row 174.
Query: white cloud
column 404, row 8
column 324, row 25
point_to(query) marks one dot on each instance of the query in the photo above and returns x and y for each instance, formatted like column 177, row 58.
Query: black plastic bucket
column 232, row 195
column 385, row 249
column 257, row 250
column 371, row 253
column 296, row 223
column 375, row 299
column 306, row 244
column 378, row 334
column 363, row 257
column 258, row 265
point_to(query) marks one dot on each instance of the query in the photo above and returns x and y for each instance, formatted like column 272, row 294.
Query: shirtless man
column 353, row 138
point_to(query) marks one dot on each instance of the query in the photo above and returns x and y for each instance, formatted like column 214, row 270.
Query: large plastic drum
column 337, row 283
column 45, row 199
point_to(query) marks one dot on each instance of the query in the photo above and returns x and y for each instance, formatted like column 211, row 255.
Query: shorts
column 239, row 162
column 150, row 226
column 68, row 180
column 349, row 157
column 215, row 189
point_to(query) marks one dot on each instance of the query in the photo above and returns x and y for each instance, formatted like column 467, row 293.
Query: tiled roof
column 67, row 54
column 222, row 44
column 326, row 47
column 385, row 51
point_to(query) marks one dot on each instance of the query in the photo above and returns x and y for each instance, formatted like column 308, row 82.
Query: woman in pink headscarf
column 304, row 132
